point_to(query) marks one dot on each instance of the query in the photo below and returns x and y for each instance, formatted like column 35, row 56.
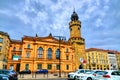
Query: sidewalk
column 41, row 76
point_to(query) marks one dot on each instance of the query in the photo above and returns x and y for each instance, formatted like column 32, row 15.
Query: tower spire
column 74, row 16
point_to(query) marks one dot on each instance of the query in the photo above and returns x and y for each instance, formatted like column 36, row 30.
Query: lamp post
column 60, row 38
column 89, row 62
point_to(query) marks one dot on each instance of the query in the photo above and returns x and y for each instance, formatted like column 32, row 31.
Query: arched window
column 28, row 46
column 40, row 52
column 49, row 55
column 57, row 54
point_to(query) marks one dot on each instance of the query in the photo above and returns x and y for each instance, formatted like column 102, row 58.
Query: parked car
column 111, row 75
column 99, row 74
column 25, row 72
column 72, row 75
column 89, row 75
column 4, row 77
column 10, row 73
column 42, row 71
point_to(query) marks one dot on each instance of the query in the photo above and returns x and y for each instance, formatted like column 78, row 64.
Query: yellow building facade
column 41, row 53
column 97, row 59
column 118, row 59
column 4, row 48
column 54, row 54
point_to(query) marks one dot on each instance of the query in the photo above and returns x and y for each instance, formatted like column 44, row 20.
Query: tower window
column 70, row 29
column 0, row 48
column 1, row 40
column 67, row 57
column 67, row 67
column 78, row 28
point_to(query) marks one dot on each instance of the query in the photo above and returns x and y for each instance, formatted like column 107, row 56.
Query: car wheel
column 89, row 78
column 74, row 78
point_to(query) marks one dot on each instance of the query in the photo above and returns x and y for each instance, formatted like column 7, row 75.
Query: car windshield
column 119, row 73
column 6, row 72
column 76, row 71
column 101, row 72
column 89, row 72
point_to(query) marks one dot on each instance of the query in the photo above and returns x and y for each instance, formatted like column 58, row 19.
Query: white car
column 72, row 75
column 109, row 75
column 89, row 75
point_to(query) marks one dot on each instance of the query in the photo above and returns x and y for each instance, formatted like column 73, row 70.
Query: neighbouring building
column 97, row 59
column 50, row 52
column 112, row 60
column 4, row 48
column 118, row 59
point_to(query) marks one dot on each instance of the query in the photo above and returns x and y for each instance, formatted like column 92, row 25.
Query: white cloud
column 45, row 16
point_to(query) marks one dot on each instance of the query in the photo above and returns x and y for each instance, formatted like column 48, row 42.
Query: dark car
column 25, row 72
column 12, row 74
column 4, row 77
column 42, row 71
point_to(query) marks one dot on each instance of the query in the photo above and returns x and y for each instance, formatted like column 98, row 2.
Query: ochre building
column 97, row 59
column 118, row 59
column 50, row 52
column 4, row 48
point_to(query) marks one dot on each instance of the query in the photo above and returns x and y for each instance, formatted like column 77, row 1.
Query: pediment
column 50, row 39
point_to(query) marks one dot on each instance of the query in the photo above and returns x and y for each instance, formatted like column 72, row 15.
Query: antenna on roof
column 74, row 9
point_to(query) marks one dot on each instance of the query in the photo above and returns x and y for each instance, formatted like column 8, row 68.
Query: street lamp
column 89, row 62
column 60, row 38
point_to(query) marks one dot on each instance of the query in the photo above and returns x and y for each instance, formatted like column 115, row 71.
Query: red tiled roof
column 97, row 49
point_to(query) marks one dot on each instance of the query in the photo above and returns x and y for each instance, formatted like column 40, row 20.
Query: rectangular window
column 39, row 66
column 1, row 40
column 58, row 67
column 66, row 50
column 0, row 48
column 27, row 54
column 26, row 66
column 49, row 66
column 67, row 67
column 67, row 58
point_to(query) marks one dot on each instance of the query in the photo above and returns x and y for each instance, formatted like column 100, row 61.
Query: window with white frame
column 40, row 52
column 27, row 54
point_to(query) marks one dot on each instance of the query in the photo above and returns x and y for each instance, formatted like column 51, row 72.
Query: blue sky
column 100, row 20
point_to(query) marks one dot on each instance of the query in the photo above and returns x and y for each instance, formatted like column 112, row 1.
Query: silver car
column 72, row 75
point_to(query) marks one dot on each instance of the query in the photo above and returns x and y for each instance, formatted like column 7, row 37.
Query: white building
column 112, row 61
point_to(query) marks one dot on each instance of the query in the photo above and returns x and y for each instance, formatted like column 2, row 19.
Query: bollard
column 22, row 75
